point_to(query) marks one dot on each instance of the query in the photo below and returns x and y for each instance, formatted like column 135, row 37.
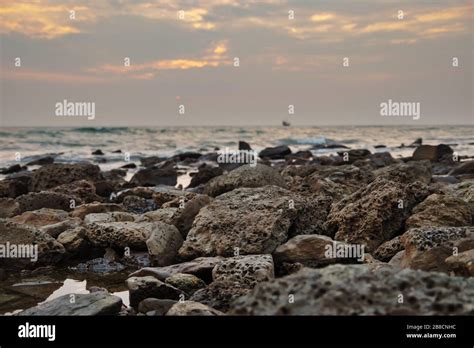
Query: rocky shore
column 357, row 233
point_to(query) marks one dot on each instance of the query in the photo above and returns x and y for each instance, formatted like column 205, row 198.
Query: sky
column 329, row 62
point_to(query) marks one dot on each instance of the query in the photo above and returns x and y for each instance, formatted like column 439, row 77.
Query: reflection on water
column 25, row 293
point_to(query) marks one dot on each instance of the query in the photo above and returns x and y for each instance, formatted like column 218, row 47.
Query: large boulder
column 249, row 269
column 41, row 217
column 97, row 303
column 359, row 290
column 427, row 248
column 246, row 220
column 82, row 189
column 204, row 174
column 220, row 294
column 433, row 153
column 244, row 176
column 52, row 175
column 439, row 210
column 374, row 214
column 465, row 168
column 184, row 216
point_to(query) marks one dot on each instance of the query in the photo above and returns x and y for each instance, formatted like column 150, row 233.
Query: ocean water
column 77, row 144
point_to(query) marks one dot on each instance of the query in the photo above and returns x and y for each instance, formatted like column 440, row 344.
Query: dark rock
column 433, row 153
column 9, row 207
column 129, row 166
column 243, row 145
column 188, row 283
column 155, row 306
column 150, row 161
column 406, row 172
column 138, row 205
column 46, row 199
column 464, row 168
column 99, row 266
column 152, row 176
column 192, row 308
column 163, row 243
column 53, row 175
column 387, row 250
column 187, row 155
column 41, row 161
column 278, row 152
column 98, row 152
column 98, row 303
column 205, row 174
column 220, row 294
column 12, row 169
column 145, row 287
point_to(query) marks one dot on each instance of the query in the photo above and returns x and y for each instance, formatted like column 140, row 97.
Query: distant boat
column 285, row 124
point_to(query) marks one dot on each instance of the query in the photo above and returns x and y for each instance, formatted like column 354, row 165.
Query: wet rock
column 153, row 176
column 387, row 250
column 155, row 306
column 462, row 264
column 312, row 250
column 142, row 192
column 433, row 153
column 9, row 207
column 192, row 308
column 145, row 287
column 243, row 145
column 248, row 270
column 351, row 156
column 244, row 176
column 97, row 152
column 359, row 290
column 12, row 169
column 220, row 294
column 90, row 208
column 129, row 166
column 138, row 205
column 150, row 161
column 374, row 214
column 204, row 174
column 99, row 266
column 464, row 168
column 45, row 199
column 278, row 152
column 427, row 248
column 188, row 283
column 254, row 220
column 440, row 210
column 74, row 240
column 14, row 234
column 41, row 161
column 82, row 189
column 98, row 303
column 187, row 155
column 120, row 234
column 201, row 267
column 56, row 174
column 407, row 172
column 54, row 230
column 163, row 243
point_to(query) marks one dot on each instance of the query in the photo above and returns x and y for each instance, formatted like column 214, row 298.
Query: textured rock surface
column 220, row 294
column 153, row 176
column 188, row 283
column 12, row 233
column 163, row 243
column 144, row 287
column 205, row 174
column 90, row 208
column 41, row 217
column 432, row 152
column 389, row 249
column 310, row 250
column 427, row 248
column 55, row 174
column 374, row 214
column 254, row 220
column 191, row 308
column 9, row 207
column 74, row 240
column 360, row 290
column 462, row 264
column 155, row 306
column 121, row 234
column 183, row 217
column 407, row 172
column 46, row 199
column 244, row 176
column 277, row 152
column 97, row 303
column 248, row 270
column 440, row 210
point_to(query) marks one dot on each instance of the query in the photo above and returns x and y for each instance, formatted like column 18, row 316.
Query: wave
column 304, row 141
